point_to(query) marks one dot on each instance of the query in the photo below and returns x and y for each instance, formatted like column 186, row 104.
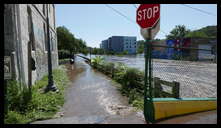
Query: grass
column 41, row 105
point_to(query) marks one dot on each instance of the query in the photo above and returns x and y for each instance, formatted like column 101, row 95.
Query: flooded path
column 93, row 98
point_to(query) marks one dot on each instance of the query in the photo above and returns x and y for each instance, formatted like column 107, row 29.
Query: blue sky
column 96, row 22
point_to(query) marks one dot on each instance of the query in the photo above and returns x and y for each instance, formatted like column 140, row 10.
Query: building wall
column 104, row 44
column 130, row 44
column 39, row 51
column 117, row 43
column 109, row 44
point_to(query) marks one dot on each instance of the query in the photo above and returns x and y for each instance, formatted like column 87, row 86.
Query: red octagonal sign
column 148, row 15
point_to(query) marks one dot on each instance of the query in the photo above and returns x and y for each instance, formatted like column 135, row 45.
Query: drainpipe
column 51, row 85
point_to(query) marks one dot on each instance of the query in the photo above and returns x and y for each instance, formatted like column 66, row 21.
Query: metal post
column 145, row 79
column 148, row 99
column 51, row 86
column 150, row 71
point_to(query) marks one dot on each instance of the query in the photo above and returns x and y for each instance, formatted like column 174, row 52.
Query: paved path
column 93, row 98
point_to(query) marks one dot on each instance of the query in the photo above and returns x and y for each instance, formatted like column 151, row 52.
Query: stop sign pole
column 148, row 17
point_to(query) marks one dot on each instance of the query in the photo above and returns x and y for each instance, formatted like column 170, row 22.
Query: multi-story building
column 104, row 44
column 130, row 44
column 117, row 43
column 120, row 44
column 26, row 40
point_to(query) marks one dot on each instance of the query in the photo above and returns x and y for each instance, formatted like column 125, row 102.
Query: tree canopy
column 206, row 32
column 178, row 32
column 67, row 41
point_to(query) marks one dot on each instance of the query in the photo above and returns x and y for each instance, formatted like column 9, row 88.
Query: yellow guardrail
column 169, row 107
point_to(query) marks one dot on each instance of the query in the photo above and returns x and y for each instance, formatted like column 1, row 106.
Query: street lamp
column 51, row 86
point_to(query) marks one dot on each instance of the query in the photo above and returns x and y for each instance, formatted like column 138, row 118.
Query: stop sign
column 148, row 15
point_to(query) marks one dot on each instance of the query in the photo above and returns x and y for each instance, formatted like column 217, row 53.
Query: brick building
column 25, row 34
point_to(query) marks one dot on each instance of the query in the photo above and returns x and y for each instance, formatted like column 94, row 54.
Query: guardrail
column 84, row 58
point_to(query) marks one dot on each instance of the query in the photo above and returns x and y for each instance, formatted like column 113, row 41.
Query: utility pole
column 51, row 86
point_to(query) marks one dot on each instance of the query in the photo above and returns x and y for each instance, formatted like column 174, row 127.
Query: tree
column 66, row 40
column 140, row 48
column 178, row 32
column 206, row 32
column 199, row 34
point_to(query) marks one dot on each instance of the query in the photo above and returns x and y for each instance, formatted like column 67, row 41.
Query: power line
column 211, row 14
column 127, row 17
column 120, row 13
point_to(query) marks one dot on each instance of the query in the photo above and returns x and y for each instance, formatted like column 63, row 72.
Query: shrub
column 120, row 71
column 42, row 105
column 14, row 117
column 18, row 95
column 138, row 103
column 108, row 67
column 97, row 60
column 133, row 78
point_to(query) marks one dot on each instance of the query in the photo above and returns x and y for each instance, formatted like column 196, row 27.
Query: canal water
column 197, row 79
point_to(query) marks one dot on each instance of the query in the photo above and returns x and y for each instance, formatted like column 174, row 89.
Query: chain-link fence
column 188, row 63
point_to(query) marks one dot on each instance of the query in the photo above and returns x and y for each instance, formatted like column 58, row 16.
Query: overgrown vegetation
column 131, row 79
column 25, row 107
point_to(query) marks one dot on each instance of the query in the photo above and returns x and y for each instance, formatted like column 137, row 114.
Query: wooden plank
column 171, row 84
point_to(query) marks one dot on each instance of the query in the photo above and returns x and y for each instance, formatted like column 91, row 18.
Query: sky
column 96, row 22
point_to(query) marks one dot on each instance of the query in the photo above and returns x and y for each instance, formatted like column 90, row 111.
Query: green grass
column 42, row 105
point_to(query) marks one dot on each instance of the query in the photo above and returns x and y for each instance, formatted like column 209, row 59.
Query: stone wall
column 39, row 51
